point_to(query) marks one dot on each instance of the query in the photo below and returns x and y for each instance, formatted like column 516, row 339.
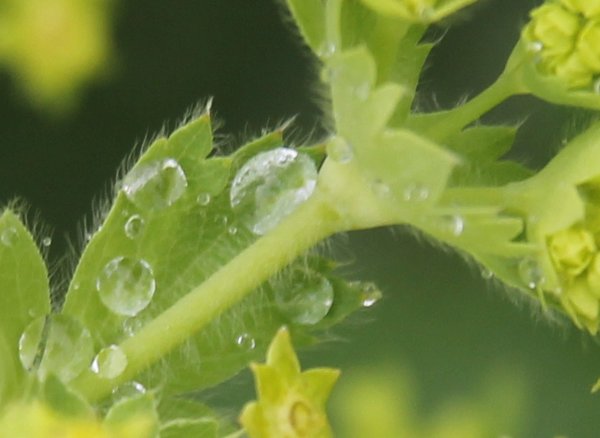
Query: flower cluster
column 565, row 34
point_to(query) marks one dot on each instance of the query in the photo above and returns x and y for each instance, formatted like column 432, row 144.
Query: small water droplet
column 232, row 230
column 370, row 295
column 87, row 237
column 126, row 285
column 531, row 273
column 203, row 199
column 127, row 390
column 156, row 185
column 47, row 241
column 134, row 226
column 416, row 193
column 327, row 49
column 340, row 150
column 454, row 224
column 9, row 236
column 245, row 341
column 487, row 274
column 380, row 188
column 306, row 301
column 535, row 46
column 270, row 186
column 110, row 362
column 48, row 341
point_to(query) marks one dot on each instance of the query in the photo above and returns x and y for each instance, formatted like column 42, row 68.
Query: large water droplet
column 57, row 345
column 306, row 301
column 245, row 341
column 9, row 236
column 126, row 285
column 155, row 185
column 110, row 362
column 30, row 343
column 531, row 273
column 340, row 150
column 271, row 185
column 134, row 226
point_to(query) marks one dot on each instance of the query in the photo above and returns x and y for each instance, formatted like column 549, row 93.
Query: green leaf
column 483, row 143
column 181, row 418
column 173, row 248
column 310, row 19
column 24, row 296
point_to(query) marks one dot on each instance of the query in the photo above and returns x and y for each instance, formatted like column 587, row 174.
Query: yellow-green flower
column 566, row 38
column 35, row 420
column 291, row 403
column 572, row 250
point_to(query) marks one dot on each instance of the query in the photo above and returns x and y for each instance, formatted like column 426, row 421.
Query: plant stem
column 309, row 224
column 439, row 125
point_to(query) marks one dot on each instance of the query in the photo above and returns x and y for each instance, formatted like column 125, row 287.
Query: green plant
column 178, row 313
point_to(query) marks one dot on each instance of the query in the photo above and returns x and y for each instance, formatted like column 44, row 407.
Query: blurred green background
column 442, row 331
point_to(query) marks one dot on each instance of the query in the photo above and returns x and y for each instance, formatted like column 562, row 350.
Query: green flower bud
column 572, row 250
column 555, row 29
column 588, row 8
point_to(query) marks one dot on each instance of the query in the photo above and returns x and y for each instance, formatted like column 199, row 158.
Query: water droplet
column 127, row 390
column 134, row 226
column 9, row 236
column 327, row 49
column 47, row 241
column 30, row 343
column 416, row 193
column 271, row 185
column 232, row 230
column 110, row 362
column 126, row 285
column 370, row 295
column 454, row 224
column 340, row 150
column 535, row 46
column 245, row 342
column 487, row 274
column 48, row 342
column 156, row 185
column 531, row 273
column 380, row 188
column 306, row 301
column 203, row 199
column 596, row 86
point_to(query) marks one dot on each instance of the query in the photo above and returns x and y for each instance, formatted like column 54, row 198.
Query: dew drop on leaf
column 9, row 236
column 30, row 343
column 110, row 362
column 134, row 226
column 531, row 273
column 60, row 344
column 454, row 224
column 327, row 49
column 129, row 389
column 126, row 285
column 155, row 185
column 416, row 193
column 47, row 241
column 305, row 302
column 370, row 295
column 340, row 150
column 272, row 185
column 203, row 199
column 245, row 341
column 232, row 230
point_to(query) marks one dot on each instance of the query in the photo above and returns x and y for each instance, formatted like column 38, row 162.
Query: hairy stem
column 439, row 125
column 308, row 225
